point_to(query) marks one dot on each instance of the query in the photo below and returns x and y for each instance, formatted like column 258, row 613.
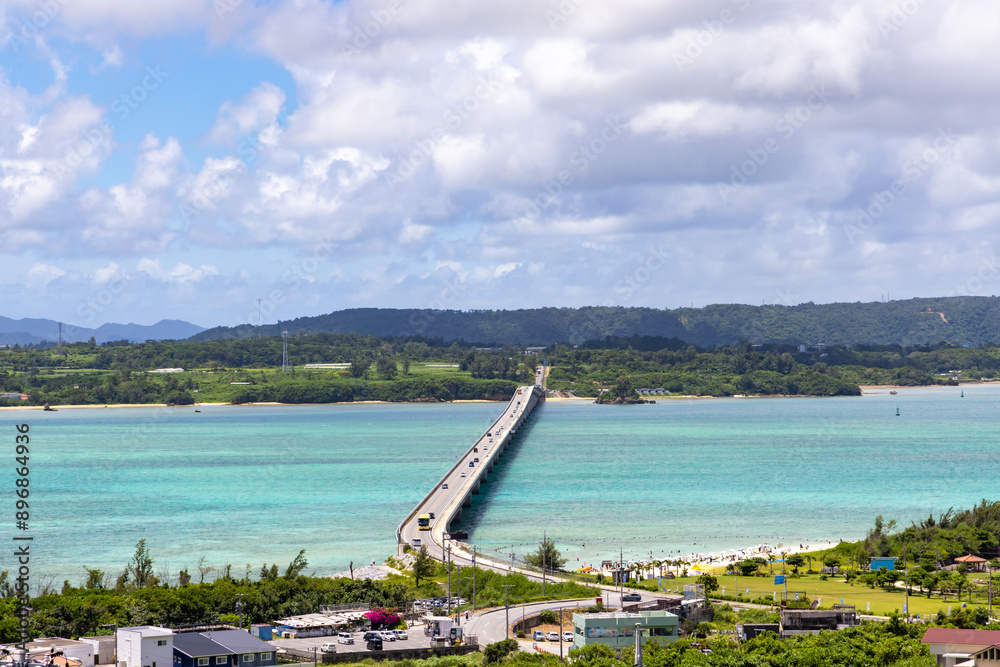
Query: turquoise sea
column 254, row 484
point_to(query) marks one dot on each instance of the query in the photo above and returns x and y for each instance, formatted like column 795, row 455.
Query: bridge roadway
column 463, row 480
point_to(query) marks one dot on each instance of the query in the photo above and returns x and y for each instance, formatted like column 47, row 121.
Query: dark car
column 631, row 597
column 372, row 634
column 374, row 644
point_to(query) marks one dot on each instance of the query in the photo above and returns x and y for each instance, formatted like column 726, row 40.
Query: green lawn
column 831, row 592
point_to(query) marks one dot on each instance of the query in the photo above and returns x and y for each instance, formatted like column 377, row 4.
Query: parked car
column 567, row 636
column 388, row 635
column 631, row 597
column 539, row 636
column 400, row 634
column 328, row 647
column 374, row 644
column 372, row 634
column 345, row 638
column 552, row 636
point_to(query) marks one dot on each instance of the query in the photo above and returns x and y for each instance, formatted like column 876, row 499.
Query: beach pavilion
column 974, row 562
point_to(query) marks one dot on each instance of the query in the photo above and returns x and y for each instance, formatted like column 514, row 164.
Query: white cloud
column 180, row 274
column 41, row 275
column 254, row 112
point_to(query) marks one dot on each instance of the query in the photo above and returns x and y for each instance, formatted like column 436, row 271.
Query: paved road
column 457, row 482
column 491, row 624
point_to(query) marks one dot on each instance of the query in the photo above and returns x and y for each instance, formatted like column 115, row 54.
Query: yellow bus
column 424, row 522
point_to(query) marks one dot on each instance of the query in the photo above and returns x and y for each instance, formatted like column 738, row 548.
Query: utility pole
column 473, row 580
column 449, row 580
column 458, row 575
column 621, row 578
column 239, row 608
column 506, row 605
column 638, row 645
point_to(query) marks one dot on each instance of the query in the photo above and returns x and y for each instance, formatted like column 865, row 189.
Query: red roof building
column 954, row 646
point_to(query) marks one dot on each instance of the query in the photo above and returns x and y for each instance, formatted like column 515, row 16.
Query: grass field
column 832, row 591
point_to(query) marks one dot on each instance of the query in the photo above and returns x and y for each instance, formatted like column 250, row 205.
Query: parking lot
column 415, row 639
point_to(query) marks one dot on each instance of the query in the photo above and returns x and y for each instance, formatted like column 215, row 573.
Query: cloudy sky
column 184, row 158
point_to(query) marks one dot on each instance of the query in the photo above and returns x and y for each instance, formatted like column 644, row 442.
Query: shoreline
column 866, row 389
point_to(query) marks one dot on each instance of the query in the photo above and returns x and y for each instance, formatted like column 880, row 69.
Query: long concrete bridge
column 456, row 488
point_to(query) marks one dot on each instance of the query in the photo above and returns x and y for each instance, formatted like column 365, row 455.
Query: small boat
column 963, row 394
column 892, row 393
column 49, row 409
column 897, row 410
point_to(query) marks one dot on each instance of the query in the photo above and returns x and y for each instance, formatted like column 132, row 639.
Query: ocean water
column 254, row 484
column 233, row 484
column 701, row 475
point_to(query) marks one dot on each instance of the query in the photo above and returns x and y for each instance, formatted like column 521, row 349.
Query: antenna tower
column 284, row 352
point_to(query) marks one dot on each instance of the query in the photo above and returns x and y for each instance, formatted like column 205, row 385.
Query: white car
column 552, row 636
column 387, row 635
column 567, row 636
column 400, row 634
column 328, row 647
column 345, row 638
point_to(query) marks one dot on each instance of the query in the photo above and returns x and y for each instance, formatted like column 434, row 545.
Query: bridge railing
column 409, row 517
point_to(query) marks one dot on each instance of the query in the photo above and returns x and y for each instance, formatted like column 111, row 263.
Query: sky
column 242, row 161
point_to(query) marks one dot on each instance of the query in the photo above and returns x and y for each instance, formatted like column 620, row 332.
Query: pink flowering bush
column 380, row 617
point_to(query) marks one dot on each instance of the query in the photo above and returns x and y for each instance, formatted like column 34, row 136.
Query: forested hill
column 956, row 320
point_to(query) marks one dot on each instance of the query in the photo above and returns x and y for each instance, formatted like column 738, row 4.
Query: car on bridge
column 462, row 475
column 445, row 485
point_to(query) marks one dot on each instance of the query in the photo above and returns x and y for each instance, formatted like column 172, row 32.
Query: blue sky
column 198, row 155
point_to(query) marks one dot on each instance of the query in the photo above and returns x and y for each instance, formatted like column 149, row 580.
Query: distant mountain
column 35, row 331
column 958, row 320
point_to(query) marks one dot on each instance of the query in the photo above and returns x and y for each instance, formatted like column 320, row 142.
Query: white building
column 145, row 646
column 42, row 647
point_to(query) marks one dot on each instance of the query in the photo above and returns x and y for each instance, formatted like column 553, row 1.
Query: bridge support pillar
column 467, row 501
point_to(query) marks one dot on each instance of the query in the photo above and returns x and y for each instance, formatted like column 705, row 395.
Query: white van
column 345, row 638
